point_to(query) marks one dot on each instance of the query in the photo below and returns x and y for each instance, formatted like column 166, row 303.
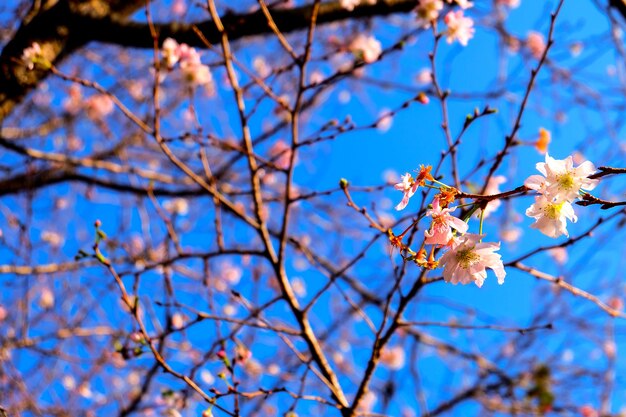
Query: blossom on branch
column 550, row 216
column 170, row 52
column 366, row 48
column 493, row 187
column 440, row 232
column 536, row 44
column 428, row 11
column 409, row 185
column 460, row 28
column 468, row 259
column 32, row 55
column 561, row 181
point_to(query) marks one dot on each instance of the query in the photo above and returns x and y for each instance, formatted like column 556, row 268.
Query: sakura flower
column 536, row 44
column 425, row 76
column 349, row 5
column 562, row 181
column 493, row 187
column 588, row 411
column 170, row 52
column 366, row 47
column 280, row 153
column 99, row 106
column 559, row 255
column 385, row 120
column 468, row 259
column 440, row 232
column 261, row 67
column 31, row 55
column 428, row 11
column 393, row 358
column 460, row 28
column 179, row 7
column 179, row 206
column 408, row 187
column 550, row 216
column 511, row 234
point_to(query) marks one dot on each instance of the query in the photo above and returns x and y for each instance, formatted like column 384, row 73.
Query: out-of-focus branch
column 237, row 26
column 70, row 24
column 58, row 28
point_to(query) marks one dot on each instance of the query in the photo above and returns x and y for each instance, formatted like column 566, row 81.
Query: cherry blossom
column 99, row 106
column 493, row 187
column 460, row 28
column 170, row 51
column 550, row 216
column 536, row 44
column 280, row 153
column 428, row 11
column 179, row 206
column 194, row 72
column 561, row 181
column 440, row 232
column 366, row 47
column 393, row 358
column 408, row 186
column 31, row 55
column 468, row 259
column 349, row 5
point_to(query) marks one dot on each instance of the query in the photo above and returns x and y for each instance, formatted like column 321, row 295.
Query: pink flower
column 179, row 7
column 99, row 106
column 408, row 186
column 561, row 181
column 588, row 411
column 493, row 187
column 468, row 259
column 550, row 216
column 349, row 5
column 440, row 232
column 428, row 11
column 170, row 52
column 366, row 47
column 280, row 153
column 460, row 28
column 393, row 358
column 536, row 44
column 31, row 55
column 559, row 255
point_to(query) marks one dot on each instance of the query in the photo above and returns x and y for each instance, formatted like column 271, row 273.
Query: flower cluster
column 366, row 48
column 459, row 27
column 193, row 71
column 32, row 55
column 467, row 258
column 409, row 184
column 559, row 186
